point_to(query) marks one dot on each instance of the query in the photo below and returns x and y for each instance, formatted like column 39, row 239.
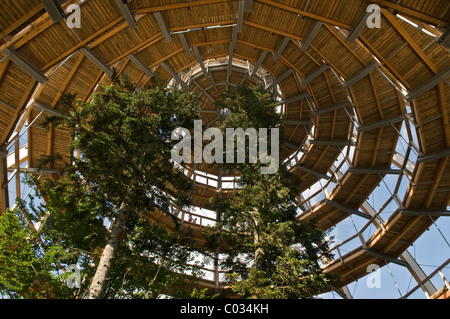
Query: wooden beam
column 320, row 157
column 270, row 29
column 32, row 30
column 140, row 47
column 113, row 25
column 21, row 20
column 429, row 84
column 4, row 199
column 50, row 138
column 181, row 5
column 436, row 181
column 68, row 79
column 376, row 146
column 13, row 124
column 375, row 94
column 392, row 20
column 384, row 61
column 394, row 240
column 411, row 12
column 92, row 88
column 305, row 13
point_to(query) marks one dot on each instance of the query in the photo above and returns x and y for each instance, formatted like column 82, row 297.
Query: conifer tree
column 120, row 169
column 270, row 253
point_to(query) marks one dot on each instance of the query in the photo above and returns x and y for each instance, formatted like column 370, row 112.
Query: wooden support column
column 4, row 199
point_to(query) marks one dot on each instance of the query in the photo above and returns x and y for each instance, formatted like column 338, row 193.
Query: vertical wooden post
column 17, row 166
column 4, row 199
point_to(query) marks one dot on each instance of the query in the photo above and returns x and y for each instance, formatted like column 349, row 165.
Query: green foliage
column 123, row 139
column 151, row 263
column 123, row 136
column 26, row 270
column 270, row 253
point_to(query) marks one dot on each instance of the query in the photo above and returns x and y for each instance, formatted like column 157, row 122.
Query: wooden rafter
column 181, row 5
column 69, row 77
column 397, row 26
column 436, row 181
column 17, row 114
column 305, row 13
column 411, row 12
column 443, row 106
column 21, row 20
column 346, row 45
column 384, row 61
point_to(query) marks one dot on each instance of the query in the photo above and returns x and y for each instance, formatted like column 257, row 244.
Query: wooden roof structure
column 347, row 90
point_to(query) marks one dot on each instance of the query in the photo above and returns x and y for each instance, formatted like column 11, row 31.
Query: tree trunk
column 98, row 285
column 259, row 252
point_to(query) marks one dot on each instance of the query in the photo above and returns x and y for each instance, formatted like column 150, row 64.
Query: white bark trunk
column 98, row 286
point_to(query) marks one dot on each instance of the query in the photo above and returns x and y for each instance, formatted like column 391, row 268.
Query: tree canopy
column 94, row 213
